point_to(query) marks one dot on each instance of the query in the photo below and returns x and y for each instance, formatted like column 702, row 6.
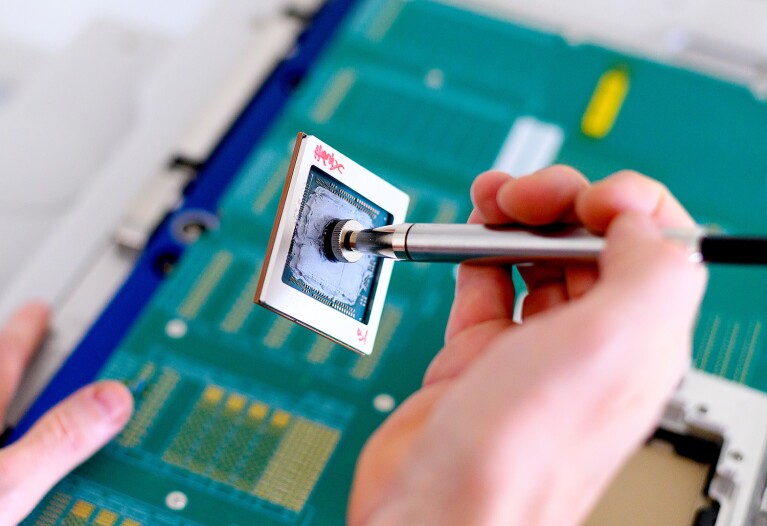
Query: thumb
column 650, row 283
column 64, row 438
column 643, row 265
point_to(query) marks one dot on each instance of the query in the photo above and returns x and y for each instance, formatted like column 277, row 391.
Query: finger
column 19, row 340
column 484, row 196
column 647, row 278
column 463, row 349
column 629, row 191
column 543, row 299
column 539, row 275
column 482, row 293
column 579, row 280
column 547, row 196
column 65, row 437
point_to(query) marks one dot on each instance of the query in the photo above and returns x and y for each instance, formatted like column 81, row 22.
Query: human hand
column 527, row 424
column 62, row 439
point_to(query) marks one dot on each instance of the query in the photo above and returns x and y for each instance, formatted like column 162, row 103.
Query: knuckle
column 63, row 433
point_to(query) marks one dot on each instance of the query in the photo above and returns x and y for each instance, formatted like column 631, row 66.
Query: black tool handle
column 734, row 250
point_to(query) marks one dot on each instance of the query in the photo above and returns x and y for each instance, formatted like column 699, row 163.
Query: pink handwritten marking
column 328, row 159
column 363, row 337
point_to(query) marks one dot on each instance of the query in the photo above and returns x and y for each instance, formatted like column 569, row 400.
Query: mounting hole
column 176, row 500
column 176, row 328
column 164, row 263
column 737, row 456
column 188, row 226
column 435, row 78
column 702, row 409
column 384, row 403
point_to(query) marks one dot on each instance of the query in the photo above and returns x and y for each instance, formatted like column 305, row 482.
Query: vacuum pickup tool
column 346, row 240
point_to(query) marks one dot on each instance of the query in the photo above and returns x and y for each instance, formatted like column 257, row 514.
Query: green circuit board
column 257, row 421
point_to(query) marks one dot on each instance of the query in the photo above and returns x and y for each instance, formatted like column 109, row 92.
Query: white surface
column 58, row 130
column 167, row 103
column 52, row 25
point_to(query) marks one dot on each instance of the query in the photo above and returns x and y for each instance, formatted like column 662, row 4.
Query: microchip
column 342, row 301
column 346, row 288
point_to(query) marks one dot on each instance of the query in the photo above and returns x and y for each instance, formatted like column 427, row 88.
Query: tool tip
column 335, row 243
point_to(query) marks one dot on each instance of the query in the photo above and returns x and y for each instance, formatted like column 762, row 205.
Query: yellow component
column 213, row 394
column 320, row 350
column 280, row 418
column 106, row 518
column 278, row 333
column 130, row 522
column 366, row 364
column 258, row 410
column 605, row 103
column 82, row 509
column 235, row 403
column 334, row 94
column 205, row 284
column 297, row 464
column 237, row 315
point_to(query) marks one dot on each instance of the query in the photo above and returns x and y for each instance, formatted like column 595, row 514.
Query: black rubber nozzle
column 734, row 250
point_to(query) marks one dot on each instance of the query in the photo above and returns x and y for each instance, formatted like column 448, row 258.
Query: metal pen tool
column 346, row 240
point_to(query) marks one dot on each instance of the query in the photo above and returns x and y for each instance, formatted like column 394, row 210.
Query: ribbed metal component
column 335, row 241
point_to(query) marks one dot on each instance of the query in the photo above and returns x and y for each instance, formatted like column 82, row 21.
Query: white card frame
column 294, row 305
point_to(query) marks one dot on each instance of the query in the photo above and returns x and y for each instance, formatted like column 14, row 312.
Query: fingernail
column 112, row 400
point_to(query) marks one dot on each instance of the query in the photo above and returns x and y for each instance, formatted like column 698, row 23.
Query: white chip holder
column 276, row 295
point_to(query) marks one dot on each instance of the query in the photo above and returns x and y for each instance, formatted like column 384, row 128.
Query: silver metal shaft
column 476, row 243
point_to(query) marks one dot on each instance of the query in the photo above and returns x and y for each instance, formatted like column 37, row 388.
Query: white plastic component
column 59, row 130
column 160, row 195
column 530, row 145
column 740, row 413
column 199, row 68
column 272, row 39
